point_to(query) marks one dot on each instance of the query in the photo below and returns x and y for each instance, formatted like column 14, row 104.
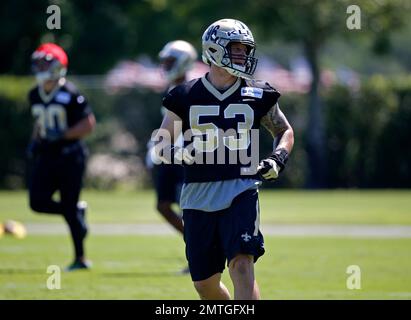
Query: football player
column 63, row 118
column 220, row 114
column 176, row 59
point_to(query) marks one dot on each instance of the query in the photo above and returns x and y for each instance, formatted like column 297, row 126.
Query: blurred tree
column 312, row 23
column 98, row 34
column 20, row 31
column 159, row 21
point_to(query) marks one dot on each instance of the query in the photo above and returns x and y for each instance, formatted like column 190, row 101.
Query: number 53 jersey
column 58, row 110
column 221, row 129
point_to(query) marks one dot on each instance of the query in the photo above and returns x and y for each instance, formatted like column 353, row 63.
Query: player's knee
column 36, row 204
column 241, row 264
column 205, row 287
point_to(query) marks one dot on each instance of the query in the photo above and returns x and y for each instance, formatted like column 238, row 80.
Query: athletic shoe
column 79, row 265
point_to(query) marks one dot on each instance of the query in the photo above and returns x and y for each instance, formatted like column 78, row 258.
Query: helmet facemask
column 244, row 64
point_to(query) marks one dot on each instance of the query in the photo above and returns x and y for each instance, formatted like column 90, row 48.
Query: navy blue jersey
column 60, row 109
column 217, row 125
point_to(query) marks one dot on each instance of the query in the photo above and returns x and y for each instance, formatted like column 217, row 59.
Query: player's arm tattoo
column 277, row 124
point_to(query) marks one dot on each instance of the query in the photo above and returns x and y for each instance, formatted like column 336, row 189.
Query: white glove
column 178, row 154
column 182, row 155
column 268, row 169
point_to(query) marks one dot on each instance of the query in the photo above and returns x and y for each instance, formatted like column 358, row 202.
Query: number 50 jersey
column 221, row 128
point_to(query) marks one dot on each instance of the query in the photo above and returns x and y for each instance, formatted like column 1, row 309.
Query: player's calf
column 82, row 207
column 241, row 269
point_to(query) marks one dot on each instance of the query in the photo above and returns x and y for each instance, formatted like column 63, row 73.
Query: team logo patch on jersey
column 252, row 92
column 80, row 99
column 63, row 97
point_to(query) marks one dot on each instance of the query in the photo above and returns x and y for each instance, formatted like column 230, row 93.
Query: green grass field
column 340, row 207
column 145, row 267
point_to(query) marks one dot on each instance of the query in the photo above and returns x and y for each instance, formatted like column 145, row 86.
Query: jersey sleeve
column 80, row 106
column 172, row 101
column 270, row 98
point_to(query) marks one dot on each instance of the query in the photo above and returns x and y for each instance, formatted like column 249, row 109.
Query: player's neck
column 48, row 89
column 220, row 78
column 50, row 85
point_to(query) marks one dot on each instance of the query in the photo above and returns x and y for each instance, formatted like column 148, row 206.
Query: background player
column 219, row 201
column 176, row 58
column 63, row 117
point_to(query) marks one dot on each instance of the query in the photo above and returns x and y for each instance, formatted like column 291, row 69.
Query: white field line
column 294, row 230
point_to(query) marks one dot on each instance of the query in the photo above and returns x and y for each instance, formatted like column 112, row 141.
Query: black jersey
column 218, row 125
column 60, row 109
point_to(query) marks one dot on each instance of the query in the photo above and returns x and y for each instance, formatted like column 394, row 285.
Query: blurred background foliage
column 346, row 136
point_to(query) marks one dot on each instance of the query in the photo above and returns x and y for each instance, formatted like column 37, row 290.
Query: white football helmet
column 177, row 57
column 217, row 40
